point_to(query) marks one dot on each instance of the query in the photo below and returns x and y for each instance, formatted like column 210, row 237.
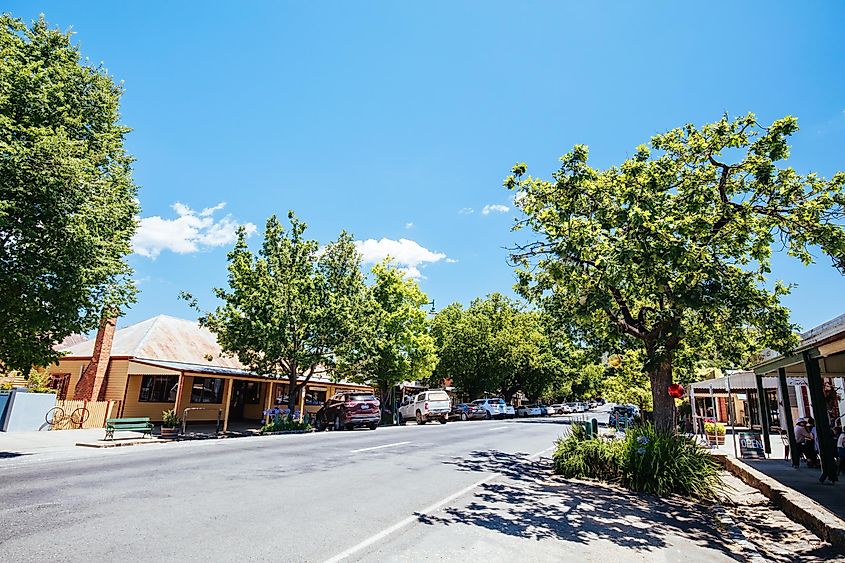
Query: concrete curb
column 799, row 508
column 122, row 443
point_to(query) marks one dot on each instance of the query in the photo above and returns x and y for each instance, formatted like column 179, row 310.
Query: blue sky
column 394, row 119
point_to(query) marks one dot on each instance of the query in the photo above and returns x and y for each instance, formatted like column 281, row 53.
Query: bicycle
column 56, row 417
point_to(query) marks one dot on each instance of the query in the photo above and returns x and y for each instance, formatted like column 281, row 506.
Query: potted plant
column 169, row 424
column 715, row 432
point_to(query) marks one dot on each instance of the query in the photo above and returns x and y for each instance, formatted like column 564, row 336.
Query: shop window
column 251, row 392
column 207, row 390
column 158, row 389
column 282, row 394
column 315, row 398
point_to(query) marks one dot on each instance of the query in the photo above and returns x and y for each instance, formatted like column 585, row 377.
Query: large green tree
column 67, row 200
column 293, row 309
column 494, row 346
column 398, row 346
column 668, row 252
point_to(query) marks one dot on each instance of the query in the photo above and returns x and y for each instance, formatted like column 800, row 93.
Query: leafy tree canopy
column 398, row 346
column 668, row 252
column 67, row 200
column 293, row 309
column 494, row 346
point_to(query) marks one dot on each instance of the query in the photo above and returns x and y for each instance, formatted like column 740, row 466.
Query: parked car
column 550, row 409
column 465, row 411
column 561, row 408
column 426, row 406
column 494, row 408
column 528, row 410
column 510, row 412
column 348, row 410
column 581, row 407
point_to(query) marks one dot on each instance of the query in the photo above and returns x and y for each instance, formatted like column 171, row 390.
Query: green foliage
column 646, row 460
column 397, row 343
column 68, row 204
column 577, row 457
column 668, row 253
column 169, row 419
column 714, row 429
column 293, row 308
column 494, row 346
column 628, row 383
column 286, row 424
column 38, row 381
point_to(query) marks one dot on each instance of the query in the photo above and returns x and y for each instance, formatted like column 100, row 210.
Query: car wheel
column 373, row 426
column 444, row 420
column 488, row 416
column 400, row 419
column 464, row 416
column 420, row 420
column 350, row 427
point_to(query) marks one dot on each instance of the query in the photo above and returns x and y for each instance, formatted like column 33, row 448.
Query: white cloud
column 494, row 208
column 409, row 225
column 407, row 253
column 466, row 211
column 188, row 232
column 451, row 261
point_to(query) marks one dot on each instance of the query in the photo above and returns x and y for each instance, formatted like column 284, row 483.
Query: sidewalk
column 804, row 480
column 530, row 512
column 17, row 444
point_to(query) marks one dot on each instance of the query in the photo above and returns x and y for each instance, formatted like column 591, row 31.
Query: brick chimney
column 90, row 385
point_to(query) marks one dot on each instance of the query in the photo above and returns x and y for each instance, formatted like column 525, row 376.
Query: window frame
column 213, row 400
column 164, row 389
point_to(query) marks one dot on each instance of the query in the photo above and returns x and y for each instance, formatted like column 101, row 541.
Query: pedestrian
column 806, row 442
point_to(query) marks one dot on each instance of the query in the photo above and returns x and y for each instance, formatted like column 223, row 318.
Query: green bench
column 139, row 424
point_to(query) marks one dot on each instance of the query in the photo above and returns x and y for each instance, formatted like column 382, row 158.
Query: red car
column 349, row 409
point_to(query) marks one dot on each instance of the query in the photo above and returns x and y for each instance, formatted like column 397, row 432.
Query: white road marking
column 415, row 517
column 497, row 428
column 379, row 447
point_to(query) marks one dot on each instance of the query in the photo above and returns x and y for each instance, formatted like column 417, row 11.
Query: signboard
column 792, row 381
column 751, row 445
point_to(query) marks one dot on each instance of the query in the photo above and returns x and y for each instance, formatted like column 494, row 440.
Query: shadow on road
column 532, row 503
column 10, row 455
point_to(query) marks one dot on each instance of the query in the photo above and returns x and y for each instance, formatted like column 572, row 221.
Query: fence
column 97, row 413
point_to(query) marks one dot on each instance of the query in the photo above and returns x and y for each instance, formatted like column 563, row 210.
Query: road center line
column 497, row 428
column 379, row 447
column 415, row 517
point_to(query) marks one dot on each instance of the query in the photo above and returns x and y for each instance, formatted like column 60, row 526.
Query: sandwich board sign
column 751, row 445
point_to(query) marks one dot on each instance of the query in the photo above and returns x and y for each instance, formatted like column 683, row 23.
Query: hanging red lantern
column 676, row 391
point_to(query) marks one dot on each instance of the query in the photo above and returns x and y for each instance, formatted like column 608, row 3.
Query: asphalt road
column 293, row 498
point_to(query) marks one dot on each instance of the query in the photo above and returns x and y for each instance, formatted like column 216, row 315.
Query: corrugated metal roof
column 164, row 338
column 174, row 343
column 742, row 380
column 810, row 338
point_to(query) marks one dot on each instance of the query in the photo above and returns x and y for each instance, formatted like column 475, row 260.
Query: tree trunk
column 293, row 396
column 664, row 405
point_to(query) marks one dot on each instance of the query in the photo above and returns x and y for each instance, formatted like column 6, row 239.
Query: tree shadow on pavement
column 532, row 503
column 9, row 455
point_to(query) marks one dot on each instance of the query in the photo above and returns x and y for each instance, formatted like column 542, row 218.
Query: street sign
column 751, row 445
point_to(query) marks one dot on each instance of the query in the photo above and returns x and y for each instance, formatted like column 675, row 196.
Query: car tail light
column 425, row 406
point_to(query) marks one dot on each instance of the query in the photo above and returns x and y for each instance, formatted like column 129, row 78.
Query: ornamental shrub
column 285, row 424
column 664, row 464
column 645, row 460
column 714, row 428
